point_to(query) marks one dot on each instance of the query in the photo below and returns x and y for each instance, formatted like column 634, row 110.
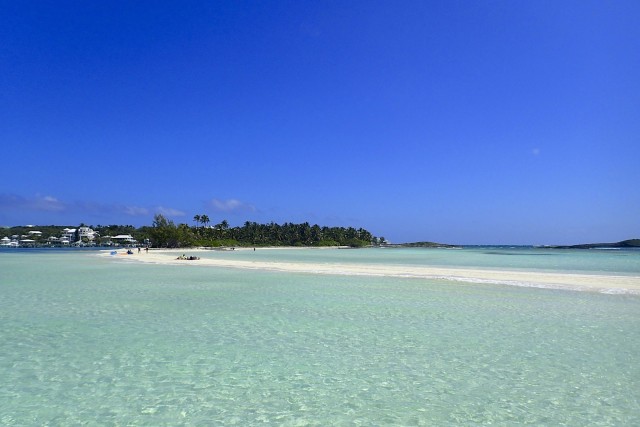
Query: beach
column 605, row 283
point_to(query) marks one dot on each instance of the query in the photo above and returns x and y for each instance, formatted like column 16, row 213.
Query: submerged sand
column 584, row 282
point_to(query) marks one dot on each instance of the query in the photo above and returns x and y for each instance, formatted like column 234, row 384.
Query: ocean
column 107, row 340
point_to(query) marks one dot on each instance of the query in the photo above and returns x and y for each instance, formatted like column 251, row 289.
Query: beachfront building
column 120, row 239
column 87, row 233
column 9, row 243
column 27, row 242
column 68, row 236
column 81, row 234
column 126, row 239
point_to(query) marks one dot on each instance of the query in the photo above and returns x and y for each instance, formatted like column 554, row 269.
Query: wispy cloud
column 230, row 206
column 169, row 211
column 38, row 203
column 95, row 208
column 135, row 210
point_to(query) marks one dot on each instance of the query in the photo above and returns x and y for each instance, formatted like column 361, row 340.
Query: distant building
column 68, row 236
column 9, row 243
column 120, row 239
column 87, row 233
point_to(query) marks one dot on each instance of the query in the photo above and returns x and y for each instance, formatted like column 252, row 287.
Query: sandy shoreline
column 584, row 282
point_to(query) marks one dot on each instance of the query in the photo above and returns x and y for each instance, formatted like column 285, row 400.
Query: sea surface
column 94, row 340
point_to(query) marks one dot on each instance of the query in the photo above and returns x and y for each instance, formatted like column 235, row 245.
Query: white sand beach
column 585, row 282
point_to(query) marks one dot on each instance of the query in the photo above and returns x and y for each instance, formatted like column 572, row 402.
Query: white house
column 86, row 232
column 68, row 235
column 123, row 238
column 6, row 242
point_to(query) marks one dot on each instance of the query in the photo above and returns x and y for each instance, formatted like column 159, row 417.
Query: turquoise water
column 94, row 341
column 621, row 262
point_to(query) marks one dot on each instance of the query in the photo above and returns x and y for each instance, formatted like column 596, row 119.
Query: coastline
column 613, row 284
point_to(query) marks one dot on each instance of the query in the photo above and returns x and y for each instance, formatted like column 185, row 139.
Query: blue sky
column 491, row 122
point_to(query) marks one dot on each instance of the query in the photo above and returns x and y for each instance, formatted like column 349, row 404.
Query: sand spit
column 583, row 282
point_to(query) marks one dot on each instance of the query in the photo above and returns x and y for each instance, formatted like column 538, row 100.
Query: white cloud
column 38, row 203
column 135, row 211
column 230, row 206
column 169, row 211
column 48, row 203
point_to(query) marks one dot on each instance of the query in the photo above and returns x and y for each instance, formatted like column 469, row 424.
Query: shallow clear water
column 88, row 340
column 623, row 261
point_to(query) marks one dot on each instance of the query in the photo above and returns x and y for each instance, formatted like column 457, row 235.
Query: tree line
column 165, row 233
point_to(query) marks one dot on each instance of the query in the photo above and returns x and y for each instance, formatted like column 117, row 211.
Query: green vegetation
column 47, row 231
column 165, row 233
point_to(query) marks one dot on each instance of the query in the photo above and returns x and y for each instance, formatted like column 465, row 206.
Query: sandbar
column 623, row 284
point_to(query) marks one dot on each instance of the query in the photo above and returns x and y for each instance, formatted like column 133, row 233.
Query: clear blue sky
column 496, row 122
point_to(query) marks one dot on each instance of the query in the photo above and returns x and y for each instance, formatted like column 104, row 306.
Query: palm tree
column 204, row 219
column 197, row 219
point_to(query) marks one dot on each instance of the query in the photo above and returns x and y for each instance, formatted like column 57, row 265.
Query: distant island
column 164, row 233
column 631, row 243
